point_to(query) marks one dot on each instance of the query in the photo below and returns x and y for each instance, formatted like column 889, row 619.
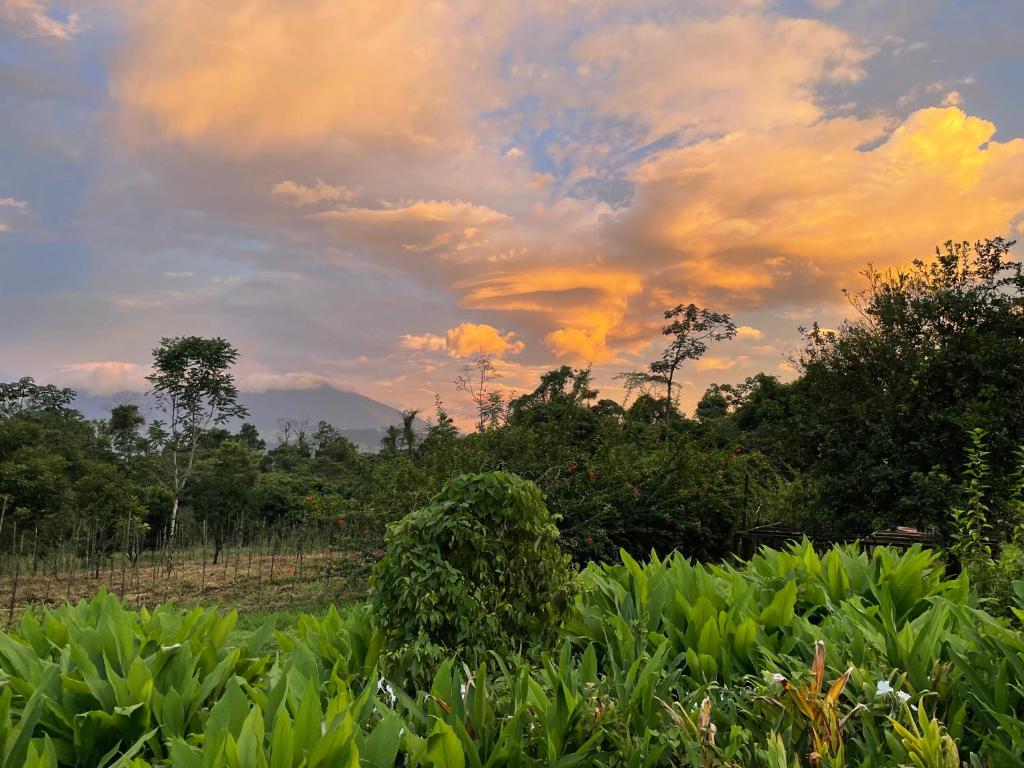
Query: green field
column 667, row 663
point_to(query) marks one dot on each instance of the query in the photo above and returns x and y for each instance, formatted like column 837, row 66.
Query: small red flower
column 590, row 540
column 289, row 569
column 571, row 468
column 341, row 521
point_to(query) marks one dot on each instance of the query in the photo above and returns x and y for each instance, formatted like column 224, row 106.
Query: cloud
column 749, row 70
column 424, row 342
column 746, row 333
column 772, row 219
column 418, row 211
column 262, row 381
column 102, row 377
column 469, row 339
column 261, row 74
column 30, row 18
column 320, row 191
column 585, row 303
column 14, row 206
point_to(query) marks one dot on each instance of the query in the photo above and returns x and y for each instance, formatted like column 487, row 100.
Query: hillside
column 361, row 419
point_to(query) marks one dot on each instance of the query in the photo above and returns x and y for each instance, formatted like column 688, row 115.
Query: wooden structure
column 774, row 535
column 900, row 537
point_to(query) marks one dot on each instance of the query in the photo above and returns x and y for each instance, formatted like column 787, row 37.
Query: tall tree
column 691, row 329
column 193, row 386
column 409, row 430
column 475, row 380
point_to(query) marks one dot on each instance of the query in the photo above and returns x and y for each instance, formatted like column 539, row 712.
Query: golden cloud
column 470, row 339
column 585, row 303
column 756, row 218
column 248, row 74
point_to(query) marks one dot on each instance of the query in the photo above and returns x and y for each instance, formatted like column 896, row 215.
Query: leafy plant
column 478, row 569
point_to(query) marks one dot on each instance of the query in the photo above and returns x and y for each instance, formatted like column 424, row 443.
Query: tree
column 409, row 430
column 123, row 428
column 294, row 432
column 223, row 489
column 25, row 396
column 691, row 329
column 390, row 441
column 193, row 386
column 475, row 380
column 333, row 446
column 883, row 410
column 248, row 435
column 108, row 504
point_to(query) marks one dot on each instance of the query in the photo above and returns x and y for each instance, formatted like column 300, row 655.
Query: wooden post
column 17, row 569
column 202, row 591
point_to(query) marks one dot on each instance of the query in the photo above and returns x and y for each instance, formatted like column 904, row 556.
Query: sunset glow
column 369, row 194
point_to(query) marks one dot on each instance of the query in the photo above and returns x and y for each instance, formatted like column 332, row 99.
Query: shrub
column 477, row 569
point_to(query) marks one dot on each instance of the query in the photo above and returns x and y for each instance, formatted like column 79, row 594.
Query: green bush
column 477, row 569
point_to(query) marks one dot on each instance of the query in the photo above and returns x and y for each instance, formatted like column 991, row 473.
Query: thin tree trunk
column 174, row 519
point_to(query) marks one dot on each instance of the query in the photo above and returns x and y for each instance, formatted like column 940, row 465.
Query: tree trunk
column 668, row 397
column 174, row 520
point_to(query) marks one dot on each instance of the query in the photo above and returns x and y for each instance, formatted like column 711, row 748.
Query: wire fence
column 249, row 565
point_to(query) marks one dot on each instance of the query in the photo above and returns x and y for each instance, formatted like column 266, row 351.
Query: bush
column 477, row 569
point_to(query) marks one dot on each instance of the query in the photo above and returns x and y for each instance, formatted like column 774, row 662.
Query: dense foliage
column 841, row 659
column 478, row 569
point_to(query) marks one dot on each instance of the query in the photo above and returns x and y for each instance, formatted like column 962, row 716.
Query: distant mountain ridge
column 361, row 419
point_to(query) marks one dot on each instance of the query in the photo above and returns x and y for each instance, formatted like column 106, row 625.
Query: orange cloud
column 757, row 218
column 746, row 333
column 470, row 339
column 586, row 304
column 255, row 74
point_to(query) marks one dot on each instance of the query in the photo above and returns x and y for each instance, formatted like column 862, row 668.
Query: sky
column 372, row 194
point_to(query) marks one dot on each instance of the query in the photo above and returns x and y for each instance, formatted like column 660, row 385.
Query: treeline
column 872, row 433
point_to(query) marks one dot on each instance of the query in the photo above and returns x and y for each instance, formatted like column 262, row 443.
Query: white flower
column 903, row 696
column 777, row 678
column 884, row 688
column 383, row 687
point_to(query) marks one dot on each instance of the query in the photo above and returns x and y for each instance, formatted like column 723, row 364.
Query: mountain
column 361, row 419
